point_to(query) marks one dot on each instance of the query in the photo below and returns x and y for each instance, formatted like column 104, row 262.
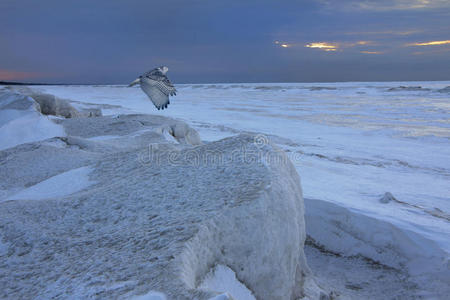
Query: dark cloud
column 108, row 41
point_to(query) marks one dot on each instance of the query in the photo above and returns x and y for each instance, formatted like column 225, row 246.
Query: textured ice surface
column 157, row 218
column 359, row 139
column 60, row 185
column 351, row 142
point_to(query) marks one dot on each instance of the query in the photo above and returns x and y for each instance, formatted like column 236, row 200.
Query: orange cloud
column 432, row 43
column 323, row 46
column 283, row 45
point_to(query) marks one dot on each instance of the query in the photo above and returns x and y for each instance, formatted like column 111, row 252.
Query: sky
column 212, row 41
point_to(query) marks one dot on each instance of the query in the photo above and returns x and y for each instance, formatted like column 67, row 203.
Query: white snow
column 351, row 144
column 222, row 279
column 60, row 185
column 393, row 242
column 23, row 124
column 26, row 127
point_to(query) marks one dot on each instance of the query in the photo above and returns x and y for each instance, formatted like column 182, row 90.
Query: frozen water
column 351, row 143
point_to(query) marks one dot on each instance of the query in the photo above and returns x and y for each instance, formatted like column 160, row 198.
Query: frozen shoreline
column 348, row 152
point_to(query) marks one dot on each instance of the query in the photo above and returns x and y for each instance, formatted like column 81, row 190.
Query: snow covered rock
column 149, row 215
column 396, row 245
column 387, row 197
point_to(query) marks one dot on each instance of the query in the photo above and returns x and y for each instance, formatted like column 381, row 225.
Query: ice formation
column 148, row 214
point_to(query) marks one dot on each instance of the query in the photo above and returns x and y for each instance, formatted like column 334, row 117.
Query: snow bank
column 159, row 217
column 21, row 121
column 396, row 244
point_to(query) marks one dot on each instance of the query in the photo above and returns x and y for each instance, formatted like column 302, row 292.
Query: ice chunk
column 21, row 122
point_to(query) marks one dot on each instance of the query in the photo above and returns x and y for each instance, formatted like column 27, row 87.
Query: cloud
column 323, row 46
column 385, row 5
column 371, row 52
column 385, row 32
column 432, row 43
column 329, row 46
column 283, row 45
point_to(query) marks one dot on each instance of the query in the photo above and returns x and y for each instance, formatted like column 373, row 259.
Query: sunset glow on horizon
column 7, row 75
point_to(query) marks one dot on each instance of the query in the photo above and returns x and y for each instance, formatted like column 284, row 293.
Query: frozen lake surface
column 350, row 142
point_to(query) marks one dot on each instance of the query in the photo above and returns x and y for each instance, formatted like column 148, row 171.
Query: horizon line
column 184, row 83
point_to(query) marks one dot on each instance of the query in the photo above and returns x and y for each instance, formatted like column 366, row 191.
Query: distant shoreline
column 103, row 84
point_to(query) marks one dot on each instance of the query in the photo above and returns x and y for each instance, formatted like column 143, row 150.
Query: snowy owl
column 157, row 86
